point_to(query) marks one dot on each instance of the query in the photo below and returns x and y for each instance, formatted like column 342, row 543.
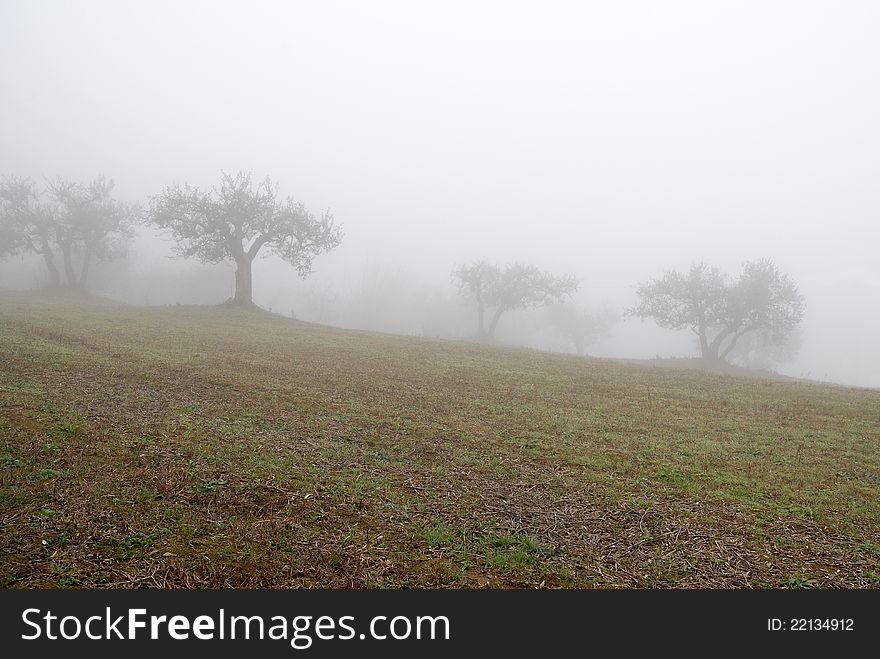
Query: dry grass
column 188, row 446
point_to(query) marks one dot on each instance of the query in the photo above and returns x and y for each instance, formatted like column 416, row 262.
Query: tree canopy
column 516, row 286
column 239, row 220
column 720, row 311
column 80, row 222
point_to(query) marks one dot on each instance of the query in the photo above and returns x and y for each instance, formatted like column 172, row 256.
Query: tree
column 27, row 224
column 237, row 221
column 517, row 286
column 81, row 222
column 478, row 281
column 720, row 311
column 90, row 225
column 580, row 327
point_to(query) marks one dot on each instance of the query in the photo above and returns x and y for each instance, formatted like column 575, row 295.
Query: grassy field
column 207, row 447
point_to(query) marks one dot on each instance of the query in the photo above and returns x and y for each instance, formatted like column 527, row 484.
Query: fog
column 610, row 141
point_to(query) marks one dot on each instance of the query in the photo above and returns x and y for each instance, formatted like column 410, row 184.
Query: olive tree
column 719, row 310
column 240, row 220
column 516, row 286
column 80, row 223
column 28, row 224
column 91, row 225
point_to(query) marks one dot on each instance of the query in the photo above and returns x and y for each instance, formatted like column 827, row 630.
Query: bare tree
column 517, row 286
column 238, row 220
column 720, row 312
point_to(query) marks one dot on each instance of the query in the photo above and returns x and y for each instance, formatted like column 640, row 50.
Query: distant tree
column 580, row 327
column 479, row 281
column 27, row 224
column 516, row 286
column 720, row 311
column 238, row 220
column 90, row 225
column 82, row 223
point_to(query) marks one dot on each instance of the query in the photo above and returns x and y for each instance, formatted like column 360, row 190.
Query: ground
column 212, row 447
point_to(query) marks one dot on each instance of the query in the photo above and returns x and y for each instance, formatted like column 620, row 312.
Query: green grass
column 134, row 544
column 43, row 474
column 204, row 446
column 798, row 580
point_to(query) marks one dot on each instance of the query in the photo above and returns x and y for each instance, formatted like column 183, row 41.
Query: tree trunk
column 711, row 356
column 84, row 271
column 243, row 282
column 733, row 341
column 495, row 318
column 705, row 351
column 68, row 266
column 54, row 275
column 481, row 316
column 708, row 351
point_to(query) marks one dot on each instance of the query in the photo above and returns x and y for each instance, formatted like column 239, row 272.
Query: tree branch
column 734, row 339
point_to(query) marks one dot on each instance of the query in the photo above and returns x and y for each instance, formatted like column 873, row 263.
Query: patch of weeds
column 800, row 511
column 49, row 449
column 129, row 546
column 211, row 484
column 334, row 559
column 758, row 497
column 564, row 574
column 272, row 461
column 45, row 514
column 509, row 559
column 511, row 541
column 511, row 551
column 147, row 496
column 394, row 582
column 675, row 477
column 68, row 427
column 799, row 580
column 785, row 541
column 9, row 497
column 57, row 540
column 868, row 547
column 872, row 576
column 9, row 461
column 46, row 474
column 380, row 456
column 664, row 574
column 635, row 505
column 64, row 577
column 349, row 538
column 216, row 456
column 863, row 509
column 485, row 463
column 438, row 536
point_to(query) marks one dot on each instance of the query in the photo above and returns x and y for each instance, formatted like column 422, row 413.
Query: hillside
column 202, row 446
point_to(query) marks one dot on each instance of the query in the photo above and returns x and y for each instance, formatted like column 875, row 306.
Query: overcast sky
column 606, row 139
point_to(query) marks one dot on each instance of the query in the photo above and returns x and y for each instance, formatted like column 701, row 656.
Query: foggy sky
column 608, row 140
